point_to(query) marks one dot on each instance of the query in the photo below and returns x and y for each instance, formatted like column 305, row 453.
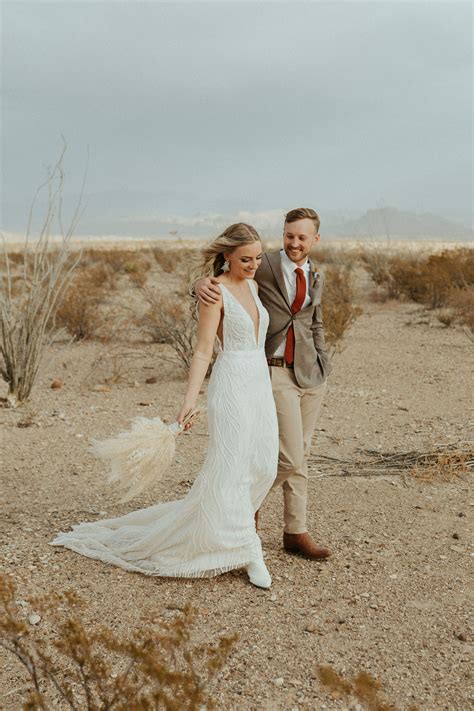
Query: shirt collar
column 291, row 266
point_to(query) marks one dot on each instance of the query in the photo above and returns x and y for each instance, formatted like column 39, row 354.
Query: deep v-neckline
column 256, row 325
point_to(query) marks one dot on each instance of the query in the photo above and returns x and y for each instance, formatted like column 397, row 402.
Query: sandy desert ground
column 394, row 600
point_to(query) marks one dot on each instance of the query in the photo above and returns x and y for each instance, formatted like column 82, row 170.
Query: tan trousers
column 297, row 410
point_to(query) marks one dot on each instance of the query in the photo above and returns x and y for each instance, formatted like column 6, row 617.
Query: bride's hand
column 207, row 290
column 185, row 410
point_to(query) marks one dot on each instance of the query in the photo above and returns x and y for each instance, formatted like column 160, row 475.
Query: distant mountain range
column 389, row 222
column 127, row 214
column 379, row 223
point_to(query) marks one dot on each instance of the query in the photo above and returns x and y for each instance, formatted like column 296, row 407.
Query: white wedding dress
column 211, row 530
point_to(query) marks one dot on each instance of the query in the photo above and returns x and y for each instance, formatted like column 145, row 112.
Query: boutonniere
column 316, row 276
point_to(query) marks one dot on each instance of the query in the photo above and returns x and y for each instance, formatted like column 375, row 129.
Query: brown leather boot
column 256, row 520
column 302, row 544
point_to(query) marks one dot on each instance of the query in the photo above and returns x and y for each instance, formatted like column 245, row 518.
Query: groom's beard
column 297, row 254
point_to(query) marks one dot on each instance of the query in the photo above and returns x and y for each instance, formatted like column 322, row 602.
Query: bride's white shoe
column 258, row 574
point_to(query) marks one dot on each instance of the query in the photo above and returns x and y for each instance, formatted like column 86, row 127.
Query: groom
column 291, row 290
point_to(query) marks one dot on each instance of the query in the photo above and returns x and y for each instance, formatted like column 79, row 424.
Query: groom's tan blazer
column 312, row 364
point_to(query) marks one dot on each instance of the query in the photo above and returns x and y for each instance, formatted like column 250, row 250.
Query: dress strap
column 253, row 286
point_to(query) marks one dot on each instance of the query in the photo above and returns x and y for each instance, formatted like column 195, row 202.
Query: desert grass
column 155, row 666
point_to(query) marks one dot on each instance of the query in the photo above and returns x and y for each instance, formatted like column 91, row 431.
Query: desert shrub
column 90, row 256
column 335, row 254
column 429, row 281
column 118, row 363
column 79, row 311
column 15, row 258
column 166, row 258
column 155, row 666
column 339, row 310
column 101, row 276
column 461, row 301
column 362, row 686
column 169, row 321
column 117, row 258
column 133, row 264
column 177, row 260
column 138, row 263
column 425, row 280
column 446, row 316
column 377, row 264
column 16, row 284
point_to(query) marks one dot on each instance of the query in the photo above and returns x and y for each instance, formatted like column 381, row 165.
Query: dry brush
column 28, row 301
column 157, row 665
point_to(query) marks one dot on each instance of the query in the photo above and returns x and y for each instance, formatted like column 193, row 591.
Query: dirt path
column 393, row 600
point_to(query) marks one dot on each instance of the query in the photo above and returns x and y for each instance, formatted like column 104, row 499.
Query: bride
column 211, row 530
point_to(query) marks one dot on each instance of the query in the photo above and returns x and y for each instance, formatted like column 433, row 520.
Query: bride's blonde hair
column 212, row 257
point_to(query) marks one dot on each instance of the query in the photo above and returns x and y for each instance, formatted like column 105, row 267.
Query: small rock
column 145, row 403
column 57, row 384
column 278, row 681
column 310, row 628
column 456, row 549
column 34, row 618
column 273, row 597
column 456, row 536
column 152, row 380
column 460, row 636
column 365, row 594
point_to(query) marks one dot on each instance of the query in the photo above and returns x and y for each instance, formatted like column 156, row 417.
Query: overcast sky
column 194, row 109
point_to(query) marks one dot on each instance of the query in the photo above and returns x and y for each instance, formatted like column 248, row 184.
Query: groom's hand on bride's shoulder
column 207, row 290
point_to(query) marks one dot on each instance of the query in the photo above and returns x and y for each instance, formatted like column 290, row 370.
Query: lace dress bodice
column 238, row 327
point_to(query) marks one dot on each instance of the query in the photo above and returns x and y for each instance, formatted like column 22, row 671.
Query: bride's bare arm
column 209, row 319
column 207, row 290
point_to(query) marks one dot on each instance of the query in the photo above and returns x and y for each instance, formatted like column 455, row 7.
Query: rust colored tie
column 295, row 307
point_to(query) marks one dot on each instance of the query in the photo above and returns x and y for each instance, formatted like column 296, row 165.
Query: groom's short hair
column 300, row 213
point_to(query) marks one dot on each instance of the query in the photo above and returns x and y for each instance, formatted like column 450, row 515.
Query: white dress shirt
column 288, row 268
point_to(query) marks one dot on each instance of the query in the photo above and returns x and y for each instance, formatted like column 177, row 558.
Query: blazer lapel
column 274, row 260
